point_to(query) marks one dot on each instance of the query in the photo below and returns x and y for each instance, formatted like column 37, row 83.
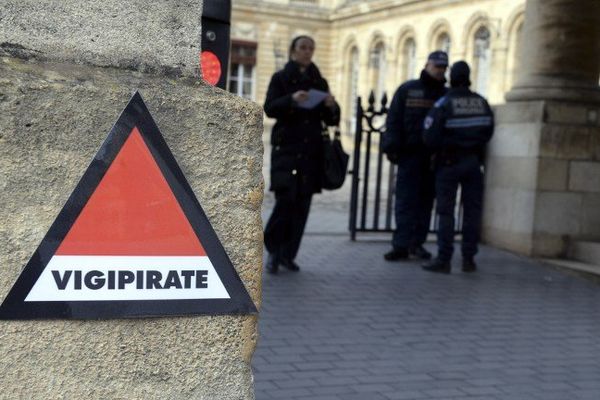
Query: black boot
column 437, row 265
column 396, row 254
column 469, row 265
column 420, row 253
column 290, row 264
column 272, row 265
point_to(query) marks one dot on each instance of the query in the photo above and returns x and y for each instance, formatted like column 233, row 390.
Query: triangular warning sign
column 131, row 241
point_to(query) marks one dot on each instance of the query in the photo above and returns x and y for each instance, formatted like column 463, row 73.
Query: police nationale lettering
column 468, row 106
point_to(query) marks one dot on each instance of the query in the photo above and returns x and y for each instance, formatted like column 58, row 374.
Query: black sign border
column 135, row 113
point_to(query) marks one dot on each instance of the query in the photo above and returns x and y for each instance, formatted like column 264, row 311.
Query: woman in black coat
column 296, row 158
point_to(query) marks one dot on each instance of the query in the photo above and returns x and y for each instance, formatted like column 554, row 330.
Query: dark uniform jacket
column 460, row 123
column 404, row 123
column 296, row 157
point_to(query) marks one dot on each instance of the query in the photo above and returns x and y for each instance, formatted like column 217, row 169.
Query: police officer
column 403, row 145
column 457, row 129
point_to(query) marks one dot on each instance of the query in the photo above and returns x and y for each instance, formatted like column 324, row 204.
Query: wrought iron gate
column 372, row 191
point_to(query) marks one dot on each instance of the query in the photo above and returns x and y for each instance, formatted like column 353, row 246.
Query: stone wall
column 543, row 177
column 67, row 70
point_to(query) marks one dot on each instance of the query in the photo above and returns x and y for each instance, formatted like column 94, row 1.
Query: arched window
column 352, row 88
column 482, row 60
column 443, row 42
column 513, row 51
column 377, row 64
column 408, row 61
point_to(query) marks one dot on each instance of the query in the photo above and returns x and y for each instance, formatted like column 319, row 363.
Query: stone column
column 561, row 51
column 543, row 164
column 67, row 70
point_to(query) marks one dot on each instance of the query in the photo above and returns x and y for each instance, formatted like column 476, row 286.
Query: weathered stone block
column 496, row 207
column 590, row 226
column 558, row 213
column 523, row 211
column 571, row 114
column 515, row 140
column 53, row 118
column 549, row 245
column 512, row 172
column 584, row 176
column 509, row 209
column 566, row 142
column 552, row 174
column 507, row 239
column 158, row 36
column 595, row 144
column 520, row 112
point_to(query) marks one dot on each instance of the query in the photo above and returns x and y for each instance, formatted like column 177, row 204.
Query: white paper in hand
column 315, row 97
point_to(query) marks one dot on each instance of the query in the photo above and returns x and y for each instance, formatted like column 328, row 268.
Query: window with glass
column 242, row 72
column 378, row 65
column 409, row 60
column 483, row 57
column 443, row 43
column 353, row 86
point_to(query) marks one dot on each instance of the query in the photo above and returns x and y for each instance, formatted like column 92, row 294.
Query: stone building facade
column 543, row 164
column 377, row 44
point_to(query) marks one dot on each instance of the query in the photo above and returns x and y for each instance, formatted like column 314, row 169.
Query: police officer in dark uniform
column 403, row 145
column 457, row 130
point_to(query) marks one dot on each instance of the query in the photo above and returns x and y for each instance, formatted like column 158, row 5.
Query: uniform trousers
column 414, row 201
column 466, row 172
column 285, row 227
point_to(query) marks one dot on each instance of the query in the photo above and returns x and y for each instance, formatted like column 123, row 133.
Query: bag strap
column 336, row 133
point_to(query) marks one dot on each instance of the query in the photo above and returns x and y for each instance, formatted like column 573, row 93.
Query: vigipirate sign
column 131, row 241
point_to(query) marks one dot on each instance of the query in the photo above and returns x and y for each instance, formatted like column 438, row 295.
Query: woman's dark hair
column 295, row 41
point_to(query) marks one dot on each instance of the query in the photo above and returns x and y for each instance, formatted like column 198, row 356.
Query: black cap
column 460, row 74
column 439, row 58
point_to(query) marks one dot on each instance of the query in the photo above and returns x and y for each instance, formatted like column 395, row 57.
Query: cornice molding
column 294, row 10
column 345, row 13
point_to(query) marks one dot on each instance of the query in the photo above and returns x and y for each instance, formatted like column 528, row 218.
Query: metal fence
column 374, row 177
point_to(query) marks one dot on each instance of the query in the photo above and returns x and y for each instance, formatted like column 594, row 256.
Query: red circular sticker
column 211, row 67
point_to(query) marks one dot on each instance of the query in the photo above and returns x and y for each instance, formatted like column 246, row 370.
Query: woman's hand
column 330, row 101
column 300, row 96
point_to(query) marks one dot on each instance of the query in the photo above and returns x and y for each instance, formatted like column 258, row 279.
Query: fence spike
column 371, row 101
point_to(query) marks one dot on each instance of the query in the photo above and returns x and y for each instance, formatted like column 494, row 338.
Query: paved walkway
column 351, row 326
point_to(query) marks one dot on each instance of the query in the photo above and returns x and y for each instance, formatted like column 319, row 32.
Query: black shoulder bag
column 335, row 161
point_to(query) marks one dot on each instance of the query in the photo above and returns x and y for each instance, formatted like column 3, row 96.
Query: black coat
column 296, row 157
column 461, row 122
column 409, row 107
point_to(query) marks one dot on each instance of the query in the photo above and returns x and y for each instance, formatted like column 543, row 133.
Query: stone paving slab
column 353, row 326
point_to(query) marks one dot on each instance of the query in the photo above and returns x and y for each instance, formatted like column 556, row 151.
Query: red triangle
column 132, row 212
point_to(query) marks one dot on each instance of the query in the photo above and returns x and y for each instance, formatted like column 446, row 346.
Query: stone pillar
column 561, row 51
column 543, row 166
column 67, row 70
